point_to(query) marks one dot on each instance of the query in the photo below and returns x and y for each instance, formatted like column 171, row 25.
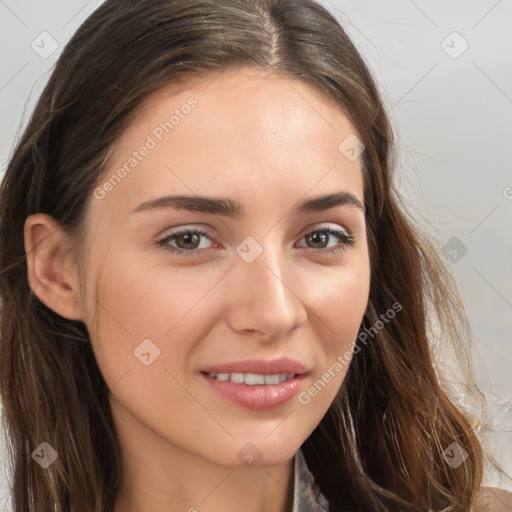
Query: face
column 223, row 328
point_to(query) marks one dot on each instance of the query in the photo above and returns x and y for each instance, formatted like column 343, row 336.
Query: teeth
column 272, row 379
column 252, row 379
column 237, row 377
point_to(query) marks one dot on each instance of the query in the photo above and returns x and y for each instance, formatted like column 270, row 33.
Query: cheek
column 149, row 321
column 135, row 310
column 146, row 299
column 337, row 313
column 343, row 303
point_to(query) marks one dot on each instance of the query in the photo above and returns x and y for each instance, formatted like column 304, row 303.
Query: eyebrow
column 232, row 208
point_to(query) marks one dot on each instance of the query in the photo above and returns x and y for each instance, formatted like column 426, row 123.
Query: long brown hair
column 380, row 446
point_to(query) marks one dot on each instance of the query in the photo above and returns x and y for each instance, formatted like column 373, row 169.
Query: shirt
column 306, row 494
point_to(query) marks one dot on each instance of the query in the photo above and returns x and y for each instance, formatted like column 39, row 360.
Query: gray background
column 449, row 96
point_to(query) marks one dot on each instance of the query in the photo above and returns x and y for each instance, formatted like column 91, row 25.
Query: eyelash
column 346, row 239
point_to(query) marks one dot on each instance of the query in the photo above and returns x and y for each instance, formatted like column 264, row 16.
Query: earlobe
column 51, row 274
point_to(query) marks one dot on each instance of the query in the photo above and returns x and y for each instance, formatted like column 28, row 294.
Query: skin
column 268, row 143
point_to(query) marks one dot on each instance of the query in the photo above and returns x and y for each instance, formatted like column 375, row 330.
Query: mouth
column 256, row 384
column 253, row 379
column 265, row 367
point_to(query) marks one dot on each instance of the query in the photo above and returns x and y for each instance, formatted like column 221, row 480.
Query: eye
column 322, row 235
column 187, row 242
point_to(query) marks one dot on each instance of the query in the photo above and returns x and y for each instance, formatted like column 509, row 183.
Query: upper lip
column 259, row 366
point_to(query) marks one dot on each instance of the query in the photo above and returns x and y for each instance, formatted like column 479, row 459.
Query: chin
column 262, row 451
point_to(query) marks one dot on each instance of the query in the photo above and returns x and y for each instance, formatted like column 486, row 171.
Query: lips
column 259, row 366
column 268, row 395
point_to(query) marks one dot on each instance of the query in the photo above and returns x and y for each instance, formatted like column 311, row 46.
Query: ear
column 52, row 273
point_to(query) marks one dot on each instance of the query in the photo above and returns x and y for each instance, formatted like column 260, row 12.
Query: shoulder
column 493, row 499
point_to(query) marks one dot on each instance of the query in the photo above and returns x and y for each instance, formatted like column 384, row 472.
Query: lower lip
column 258, row 397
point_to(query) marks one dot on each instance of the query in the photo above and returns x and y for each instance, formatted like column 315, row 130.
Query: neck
column 158, row 476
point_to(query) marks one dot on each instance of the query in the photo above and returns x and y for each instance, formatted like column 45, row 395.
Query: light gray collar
column 306, row 494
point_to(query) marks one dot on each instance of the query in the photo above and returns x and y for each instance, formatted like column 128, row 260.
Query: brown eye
column 188, row 239
column 320, row 239
column 185, row 242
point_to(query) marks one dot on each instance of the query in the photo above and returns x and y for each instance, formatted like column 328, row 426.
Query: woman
column 283, row 366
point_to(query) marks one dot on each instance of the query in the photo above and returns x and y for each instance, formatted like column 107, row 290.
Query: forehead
column 246, row 129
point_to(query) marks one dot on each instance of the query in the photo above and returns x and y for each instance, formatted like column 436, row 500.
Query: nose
column 265, row 297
